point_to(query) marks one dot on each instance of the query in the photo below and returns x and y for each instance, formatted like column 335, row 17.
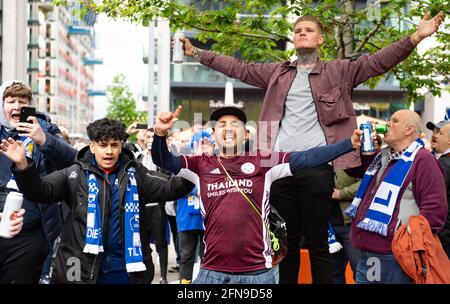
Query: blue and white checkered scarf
column 94, row 243
column 382, row 207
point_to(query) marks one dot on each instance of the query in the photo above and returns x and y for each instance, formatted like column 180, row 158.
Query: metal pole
column 151, row 74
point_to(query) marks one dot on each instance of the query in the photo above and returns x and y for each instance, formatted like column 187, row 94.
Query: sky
column 121, row 45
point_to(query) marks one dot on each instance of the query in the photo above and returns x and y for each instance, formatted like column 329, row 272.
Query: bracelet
column 159, row 134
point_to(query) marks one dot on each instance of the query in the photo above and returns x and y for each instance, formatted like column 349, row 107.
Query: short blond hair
column 312, row 19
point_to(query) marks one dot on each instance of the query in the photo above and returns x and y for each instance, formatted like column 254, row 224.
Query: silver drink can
column 367, row 145
column 177, row 55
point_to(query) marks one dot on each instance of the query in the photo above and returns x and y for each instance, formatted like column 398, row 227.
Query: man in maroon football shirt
column 237, row 243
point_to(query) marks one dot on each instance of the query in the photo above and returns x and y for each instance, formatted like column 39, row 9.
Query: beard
column 307, row 56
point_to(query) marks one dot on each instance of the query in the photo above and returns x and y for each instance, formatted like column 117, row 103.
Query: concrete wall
column 14, row 39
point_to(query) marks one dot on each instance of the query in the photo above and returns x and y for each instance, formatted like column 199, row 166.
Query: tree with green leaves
column 122, row 105
column 256, row 28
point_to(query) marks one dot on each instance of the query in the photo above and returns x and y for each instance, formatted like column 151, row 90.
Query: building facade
column 61, row 57
column 13, row 40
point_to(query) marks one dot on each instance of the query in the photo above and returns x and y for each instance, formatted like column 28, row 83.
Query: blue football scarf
column 94, row 245
column 333, row 244
column 29, row 149
column 382, row 207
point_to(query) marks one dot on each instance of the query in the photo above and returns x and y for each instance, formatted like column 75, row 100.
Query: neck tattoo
column 307, row 56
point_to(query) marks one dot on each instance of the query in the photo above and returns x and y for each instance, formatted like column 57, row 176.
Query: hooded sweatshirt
column 52, row 155
column 3, row 120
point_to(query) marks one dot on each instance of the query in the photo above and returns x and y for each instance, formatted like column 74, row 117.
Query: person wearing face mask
column 22, row 257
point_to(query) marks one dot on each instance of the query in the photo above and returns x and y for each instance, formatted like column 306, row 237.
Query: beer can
column 367, row 145
column 177, row 55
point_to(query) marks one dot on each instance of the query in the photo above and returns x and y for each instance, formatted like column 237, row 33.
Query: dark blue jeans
column 374, row 268
column 345, row 255
column 265, row 276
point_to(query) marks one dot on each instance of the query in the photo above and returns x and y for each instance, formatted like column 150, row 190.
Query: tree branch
column 367, row 37
column 373, row 4
column 374, row 45
column 274, row 56
column 285, row 38
column 233, row 32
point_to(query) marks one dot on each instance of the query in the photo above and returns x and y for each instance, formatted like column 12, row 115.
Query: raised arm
column 321, row 155
column 371, row 65
column 162, row 157
column 160, row 153
column 256, row 74
column 48, row 189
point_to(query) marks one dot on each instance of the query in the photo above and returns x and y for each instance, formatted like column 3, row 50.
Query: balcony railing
column 33, row 66
column 34, row 89
column 33, row 19
column 78, row 30
column 92, row 61
column 96, row 93
column 33, row 43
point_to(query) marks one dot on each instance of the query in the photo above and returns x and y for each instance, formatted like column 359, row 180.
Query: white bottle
column 177, row 55
column 13, row 203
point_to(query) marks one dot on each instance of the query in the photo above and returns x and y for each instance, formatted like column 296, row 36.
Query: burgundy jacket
column 331, row 84
column 428, row 187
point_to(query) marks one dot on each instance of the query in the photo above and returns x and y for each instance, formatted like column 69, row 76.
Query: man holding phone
column 22, row 257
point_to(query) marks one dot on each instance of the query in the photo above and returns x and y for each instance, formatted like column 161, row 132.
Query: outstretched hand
column 165, row 121
column 427, row 26
column 188, row 48
column 15, row 151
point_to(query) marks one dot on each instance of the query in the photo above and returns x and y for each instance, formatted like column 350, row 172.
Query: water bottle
column 178, row 52
column 13, row 203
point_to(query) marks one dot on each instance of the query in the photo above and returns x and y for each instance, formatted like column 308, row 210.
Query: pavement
column 172, row 278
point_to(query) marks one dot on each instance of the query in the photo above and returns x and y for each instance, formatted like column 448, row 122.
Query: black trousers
column 156, row 224
column 304, row 202
column 22, row 257
column 188, row 242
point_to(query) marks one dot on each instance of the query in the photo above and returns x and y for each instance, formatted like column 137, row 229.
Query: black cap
column 431, row 126
column 215, row 116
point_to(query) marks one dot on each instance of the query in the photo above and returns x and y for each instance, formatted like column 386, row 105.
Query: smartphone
column 142, row 126
column 25, row 112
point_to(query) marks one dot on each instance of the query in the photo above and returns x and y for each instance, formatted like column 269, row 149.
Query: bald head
column 412, row 119
column 404, row 127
